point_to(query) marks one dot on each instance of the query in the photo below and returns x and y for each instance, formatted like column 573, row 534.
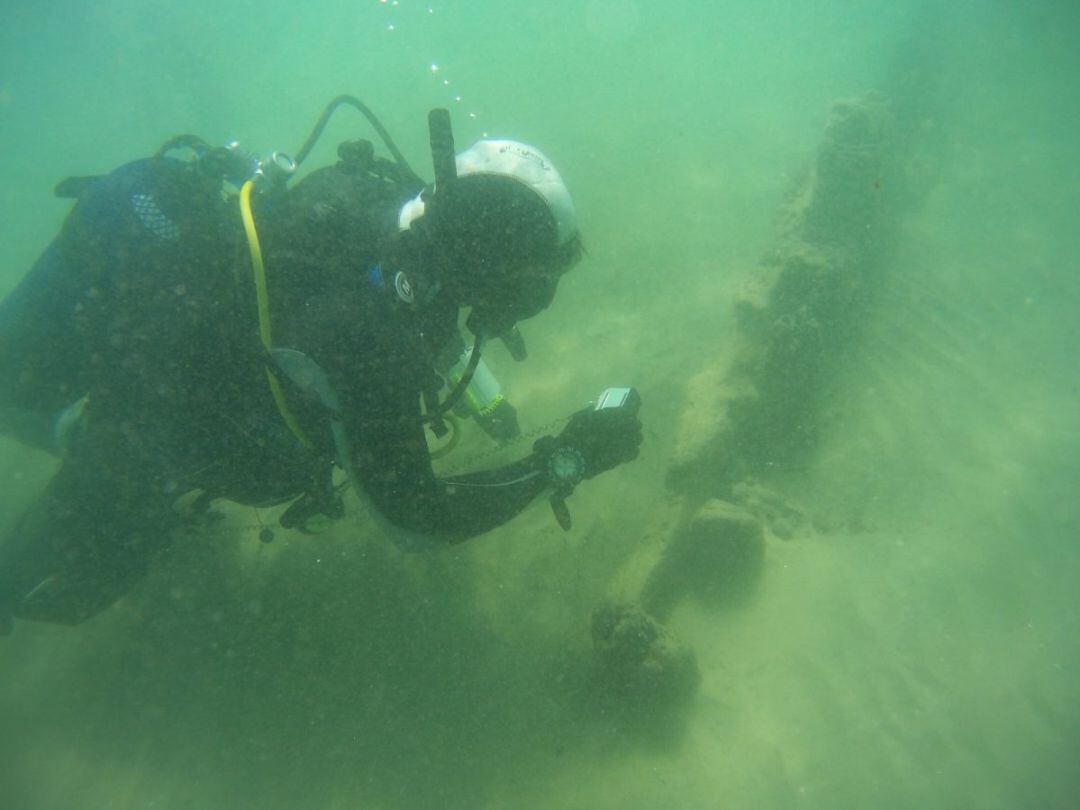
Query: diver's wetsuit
column 145, row 302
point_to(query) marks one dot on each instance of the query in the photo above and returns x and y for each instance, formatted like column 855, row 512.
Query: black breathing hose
column 356, row 103
column 444, row 164
column 438, row 411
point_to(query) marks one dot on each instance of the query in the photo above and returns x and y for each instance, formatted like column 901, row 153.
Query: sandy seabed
column 914, row 645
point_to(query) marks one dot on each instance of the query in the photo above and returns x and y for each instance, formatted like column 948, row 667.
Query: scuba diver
column 175, row 345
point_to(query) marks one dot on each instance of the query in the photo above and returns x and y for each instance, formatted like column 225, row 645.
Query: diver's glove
column 595, row 440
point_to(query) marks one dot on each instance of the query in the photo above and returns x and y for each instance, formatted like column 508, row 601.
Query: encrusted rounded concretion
column 639, row 661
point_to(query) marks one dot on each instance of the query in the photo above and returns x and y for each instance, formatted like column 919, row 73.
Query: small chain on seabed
column 473, row 460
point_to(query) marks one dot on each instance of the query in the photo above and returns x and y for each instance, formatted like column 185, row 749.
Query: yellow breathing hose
column 262, row 300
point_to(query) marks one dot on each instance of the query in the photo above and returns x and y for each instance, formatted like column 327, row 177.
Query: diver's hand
column 593, row 441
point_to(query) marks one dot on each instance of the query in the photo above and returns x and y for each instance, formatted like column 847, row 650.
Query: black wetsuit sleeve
column 379, row 369
column 395, row 471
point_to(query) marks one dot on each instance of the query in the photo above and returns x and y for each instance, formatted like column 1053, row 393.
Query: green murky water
column 912, row 643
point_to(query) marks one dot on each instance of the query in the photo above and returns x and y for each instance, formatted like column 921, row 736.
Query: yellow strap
column 263, row 302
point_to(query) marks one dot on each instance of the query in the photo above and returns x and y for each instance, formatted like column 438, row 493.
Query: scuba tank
column 483, row 399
